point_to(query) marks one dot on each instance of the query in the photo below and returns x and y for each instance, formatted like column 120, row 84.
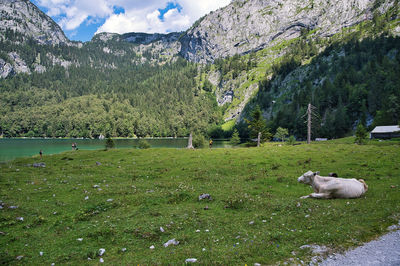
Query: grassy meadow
column 118, row 200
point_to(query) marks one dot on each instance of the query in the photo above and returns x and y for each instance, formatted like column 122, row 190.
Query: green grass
column 255, row 215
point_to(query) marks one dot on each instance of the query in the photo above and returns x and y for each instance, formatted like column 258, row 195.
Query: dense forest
column 356, row 79
column 102, row 93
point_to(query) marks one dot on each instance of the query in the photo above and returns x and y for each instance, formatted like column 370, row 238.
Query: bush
column 110, row 143
column 291, row 140
column 199, row 141
column 143, row 144
column 361, row 134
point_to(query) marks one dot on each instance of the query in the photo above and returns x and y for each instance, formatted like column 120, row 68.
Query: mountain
column 21, row 19
column 245, row 26
column 279, row 55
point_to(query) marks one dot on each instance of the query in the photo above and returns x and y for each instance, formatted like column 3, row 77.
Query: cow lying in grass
column 332, row 187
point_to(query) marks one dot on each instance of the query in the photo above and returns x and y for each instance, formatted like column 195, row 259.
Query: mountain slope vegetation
column 139, row 84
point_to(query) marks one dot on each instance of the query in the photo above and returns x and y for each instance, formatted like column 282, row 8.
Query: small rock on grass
column 162, row 229
column 205, row 196
column 123, row 249
column 101, row 260
column 192, row 260
column 171, row 242
column 101, row 251
column 152, row 247
column 19, row 257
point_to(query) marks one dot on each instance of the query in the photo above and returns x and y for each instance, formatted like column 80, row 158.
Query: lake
column 16, row 148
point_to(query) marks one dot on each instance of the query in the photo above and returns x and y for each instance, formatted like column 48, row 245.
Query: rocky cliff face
column 251, row 25
column 23, row 17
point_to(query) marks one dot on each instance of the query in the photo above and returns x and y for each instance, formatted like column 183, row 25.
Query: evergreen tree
column 361, row 134
column 235, row 140
column 257, row 125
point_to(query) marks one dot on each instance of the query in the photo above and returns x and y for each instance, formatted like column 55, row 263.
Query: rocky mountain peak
column 250, row 25
column 24, row 18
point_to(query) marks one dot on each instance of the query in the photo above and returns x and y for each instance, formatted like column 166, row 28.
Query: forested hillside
column 356, row 79
column 102, row 93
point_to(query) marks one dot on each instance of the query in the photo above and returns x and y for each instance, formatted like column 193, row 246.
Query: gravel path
column 383, row 251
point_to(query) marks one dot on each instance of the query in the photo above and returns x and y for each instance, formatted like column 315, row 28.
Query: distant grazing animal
column 332, row 187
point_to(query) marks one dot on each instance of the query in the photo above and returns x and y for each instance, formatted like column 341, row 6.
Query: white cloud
column 139, row 16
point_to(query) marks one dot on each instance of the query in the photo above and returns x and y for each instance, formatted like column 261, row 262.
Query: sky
column 81, row 19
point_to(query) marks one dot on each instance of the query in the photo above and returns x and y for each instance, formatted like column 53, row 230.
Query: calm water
column 15, row 148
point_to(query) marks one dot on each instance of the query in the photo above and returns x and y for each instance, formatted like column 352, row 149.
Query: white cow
column 332, row 187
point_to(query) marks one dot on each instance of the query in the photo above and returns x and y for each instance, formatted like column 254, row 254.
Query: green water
column 16, row 148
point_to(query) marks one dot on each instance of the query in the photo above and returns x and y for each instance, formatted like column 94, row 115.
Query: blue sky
column 81, row 19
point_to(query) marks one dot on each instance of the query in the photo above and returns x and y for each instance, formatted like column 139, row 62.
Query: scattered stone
column 264, row 221
column 207, row 230
column 316, row 249
column 41, row 253
column 80, row 239
column 101, row 251
column 162, row 229
column 307, row 216
column 20, row 219
column 251, row 222
column 197, row 231
column 2, row 233
column 205, row 196
column 152, row 247
column 98, row 163
column 123, row 249
column 206, row 207
column 392, row 186
column 109, row 200
column 298, row 205
column 171, row 242
column 192, row 260
column 13, row 207
column 101, row 260
column 203, row 249
column 87, row 197
column 19, row 257
column 257, row 264
column 37, row 165
column 96, row 186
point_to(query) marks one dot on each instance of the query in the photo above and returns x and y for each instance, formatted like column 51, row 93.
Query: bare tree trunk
column 309, row 124
column 259, row 139
column 190, row 145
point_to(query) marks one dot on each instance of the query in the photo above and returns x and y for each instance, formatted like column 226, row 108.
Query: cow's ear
column 316, row 173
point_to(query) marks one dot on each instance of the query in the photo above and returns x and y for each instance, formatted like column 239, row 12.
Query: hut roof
column 386, row 129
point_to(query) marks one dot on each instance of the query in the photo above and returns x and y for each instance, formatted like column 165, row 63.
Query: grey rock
column 244, row 26
column 191, row 260
column 36, row 24
column 171, row 242
column 205, row 196
column 19, row 64
column 38, row 165
column 6, row 69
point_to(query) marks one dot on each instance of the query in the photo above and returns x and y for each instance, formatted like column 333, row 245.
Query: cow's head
column 307, row 178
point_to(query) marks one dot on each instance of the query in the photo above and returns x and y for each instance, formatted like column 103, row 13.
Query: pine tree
column 235, row 140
